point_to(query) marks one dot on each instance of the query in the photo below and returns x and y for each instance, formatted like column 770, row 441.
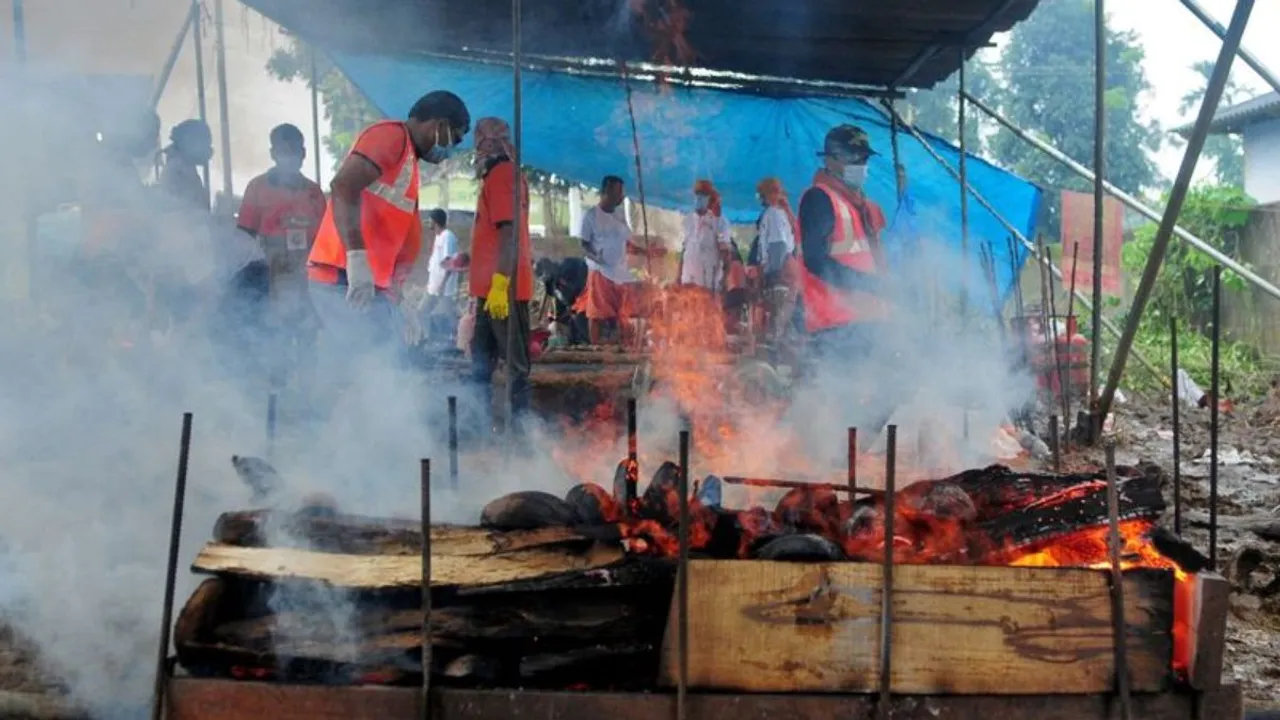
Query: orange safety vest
column 826, row 307
column 388, row 222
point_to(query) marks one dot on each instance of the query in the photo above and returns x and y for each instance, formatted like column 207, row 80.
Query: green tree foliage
column 1226, row 151
column 937, row 110
column 1215, row 213
column 346, row 109
column 1048, row 71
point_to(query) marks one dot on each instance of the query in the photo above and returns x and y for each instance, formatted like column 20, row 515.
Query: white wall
column 1262, row 161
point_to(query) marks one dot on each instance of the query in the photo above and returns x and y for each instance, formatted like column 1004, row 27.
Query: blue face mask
column 440, row 152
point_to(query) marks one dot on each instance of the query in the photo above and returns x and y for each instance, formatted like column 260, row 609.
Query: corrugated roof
column 876, row 43
column 1236, row 118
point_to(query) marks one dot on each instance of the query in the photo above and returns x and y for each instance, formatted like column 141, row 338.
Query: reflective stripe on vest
column 850, row 237
column 398, row 193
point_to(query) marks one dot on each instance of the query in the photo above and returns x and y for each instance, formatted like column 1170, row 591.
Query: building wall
column 1262, row 161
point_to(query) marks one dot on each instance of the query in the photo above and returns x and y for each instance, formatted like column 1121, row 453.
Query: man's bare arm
column 356, row 174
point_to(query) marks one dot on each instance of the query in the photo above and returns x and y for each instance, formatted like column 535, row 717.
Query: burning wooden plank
column 762, row 626
column 388, row 572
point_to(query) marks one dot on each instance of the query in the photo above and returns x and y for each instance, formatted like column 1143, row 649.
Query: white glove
column 360, row 287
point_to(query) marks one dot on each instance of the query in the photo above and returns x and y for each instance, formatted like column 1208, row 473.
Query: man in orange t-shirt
column 494, row 262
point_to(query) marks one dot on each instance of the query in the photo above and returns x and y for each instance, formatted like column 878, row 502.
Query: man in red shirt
column 494, row 263
column 282, row 210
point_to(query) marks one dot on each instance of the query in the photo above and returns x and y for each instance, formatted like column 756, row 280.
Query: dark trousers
column 857, row 351
column 489, row 345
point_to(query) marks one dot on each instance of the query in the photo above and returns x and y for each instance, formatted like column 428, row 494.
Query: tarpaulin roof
column 580, row 128
column 882, row 43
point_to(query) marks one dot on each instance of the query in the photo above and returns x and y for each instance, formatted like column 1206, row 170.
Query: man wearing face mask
column 371, row 236
column 281, row 211
column 842, row 274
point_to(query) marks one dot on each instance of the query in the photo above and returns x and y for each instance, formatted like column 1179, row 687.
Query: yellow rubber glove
column 496, row 303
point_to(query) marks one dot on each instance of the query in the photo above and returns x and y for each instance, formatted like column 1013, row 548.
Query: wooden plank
column 762, row 626
column 198, row 699
column 361, row 535
column 1207, row 636
column 385, row 572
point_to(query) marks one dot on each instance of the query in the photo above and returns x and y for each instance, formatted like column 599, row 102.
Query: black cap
column 849, row 140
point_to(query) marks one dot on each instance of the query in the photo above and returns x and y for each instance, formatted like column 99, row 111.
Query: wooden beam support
column 199, row 699
column 759, row 626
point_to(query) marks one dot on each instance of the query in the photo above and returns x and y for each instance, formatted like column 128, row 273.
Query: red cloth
column 605, row 298
column 272, row 209
column 494, row 207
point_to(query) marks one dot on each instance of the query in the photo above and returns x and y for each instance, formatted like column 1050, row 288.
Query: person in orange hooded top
column 371, row 236
column 773, row 257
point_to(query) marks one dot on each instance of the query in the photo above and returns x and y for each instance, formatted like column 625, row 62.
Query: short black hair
column 442, row 104
column 439, row 217
column 287, row 135
column 609, row 181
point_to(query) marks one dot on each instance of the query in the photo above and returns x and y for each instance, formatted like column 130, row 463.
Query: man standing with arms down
column 606, row 238
column 494, row 265
column 842, row 278
column 371, row 235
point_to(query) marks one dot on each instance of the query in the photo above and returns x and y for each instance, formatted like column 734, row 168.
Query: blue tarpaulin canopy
column 580, row 128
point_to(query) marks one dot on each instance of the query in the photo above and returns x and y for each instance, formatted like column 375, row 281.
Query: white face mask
column 855, row 176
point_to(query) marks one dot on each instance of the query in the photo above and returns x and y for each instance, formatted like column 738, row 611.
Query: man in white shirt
column 606, row 239
column 442, row 284
column 706, row 240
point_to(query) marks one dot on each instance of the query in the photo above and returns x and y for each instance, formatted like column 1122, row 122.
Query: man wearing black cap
column 842, row 277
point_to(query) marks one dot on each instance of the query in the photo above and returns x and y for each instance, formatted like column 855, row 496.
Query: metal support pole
column 1178, row 195
column 314, row 77
column 453, row 442
column 1099, row 169
column 19, row 32
column 224, row 113
column 1055, row 442
column 1248, row 57
column 682, row 584
column 1118, row 633
column 424, row 705
column 899, row 171
column 853, row 464
column 1132, row 202
column 635, row 145
column 1214, row 404
column 964, row 185
column 171, row 571
column 272, row 410
column 517, row 201
column 883, row 709
column 1177, row 462
column 1016, row 233
column 197, row 41
column 175, row 50
column 633, row 455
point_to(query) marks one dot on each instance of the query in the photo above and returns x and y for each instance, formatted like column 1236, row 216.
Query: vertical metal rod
column 1056, row 345
column 272, row 402
column 175, row 50
column 964, row 188
column 853, row 464
column 453, row 442
column 633, row 453
column 1177, row 196
column 314, row 78
column 19, row 32
column 899, row 171
column 1015, row 276
column 1213, row 416
column 682, row 583
column 424, row 706
column 224, row 113
column 517, row 202
column 635, row 145
column 1119, row 634
column 965, row 428
column 171, row 571
column 1054, row 442
column 886, row 581
column 1072, row 328
column 1099, row 206
column 1177, row 442
column 197, row 42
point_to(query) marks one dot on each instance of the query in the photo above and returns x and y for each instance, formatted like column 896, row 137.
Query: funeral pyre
column 575, row 591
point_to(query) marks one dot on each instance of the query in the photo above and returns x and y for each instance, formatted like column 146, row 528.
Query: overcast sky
column 1174, row 39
